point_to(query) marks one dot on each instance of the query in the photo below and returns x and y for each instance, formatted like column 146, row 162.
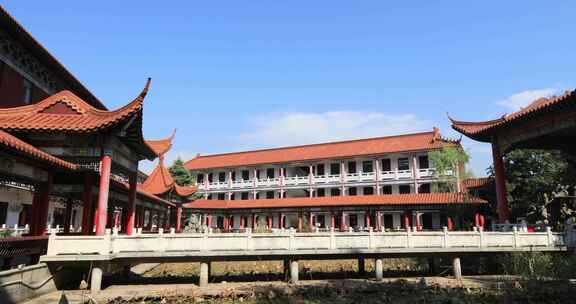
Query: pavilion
column 546, row 123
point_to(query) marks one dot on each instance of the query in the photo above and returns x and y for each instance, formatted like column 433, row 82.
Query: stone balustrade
column 292, row 243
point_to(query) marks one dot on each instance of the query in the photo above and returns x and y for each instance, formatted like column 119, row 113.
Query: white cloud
column 524, row 98
column 282, row 129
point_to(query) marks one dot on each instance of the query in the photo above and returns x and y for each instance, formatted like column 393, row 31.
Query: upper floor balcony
column 311, row 180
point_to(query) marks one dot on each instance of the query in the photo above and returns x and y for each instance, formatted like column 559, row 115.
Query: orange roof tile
column 471, row 183
column 12, row 143
column 483, row 130
column 361, row 147
column 161, row 146
column 336, row 201
column 66, row 112
column 140, row 192
column 159, row 181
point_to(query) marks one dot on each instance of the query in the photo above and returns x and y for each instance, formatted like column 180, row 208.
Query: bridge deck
column 286, row 244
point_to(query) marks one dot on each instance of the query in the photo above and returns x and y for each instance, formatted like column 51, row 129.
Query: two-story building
column 383, row 183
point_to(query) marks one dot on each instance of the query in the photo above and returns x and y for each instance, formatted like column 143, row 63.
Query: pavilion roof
column 161, row 146
column 64, row 112
column 12, row 27
column 361, row 147
column 474, row 183
column 337, row 201
column 484, row 130
column 15, row 145
column 141, row 192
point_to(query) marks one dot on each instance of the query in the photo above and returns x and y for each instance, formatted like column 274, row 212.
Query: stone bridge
column 290, row 246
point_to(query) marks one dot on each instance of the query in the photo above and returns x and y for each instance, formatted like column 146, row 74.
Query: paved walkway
column 237, row 289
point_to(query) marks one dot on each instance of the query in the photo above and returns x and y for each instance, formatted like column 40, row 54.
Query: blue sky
column 236, row 75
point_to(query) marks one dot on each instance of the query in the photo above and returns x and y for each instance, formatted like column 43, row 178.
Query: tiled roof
column 361, row 147
column 335, row 201
column 66, row 112
column 141, row 193
column 159, row 181
column 185, row 190
column 483, row 130
column 161, row 146
column 12, row 27
column 472, row 183
column 14, row 144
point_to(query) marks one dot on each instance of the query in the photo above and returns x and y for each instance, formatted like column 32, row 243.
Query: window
column 424, row 188
column 269, row 194
column 335, row 169
column 222, row 177
column 320, row 169
column 320, row 221
column 353, row 220
column 233, row 175
column 270, row 173
column 209, row 196
column 386, row 165
column 258, row 173
column 403, row 164
column 28, row 87
column 335, row 192
column 352, row 191
column 352, row 167
column 257, row 195
column 200, row 178
column 367, row 166
column 368, row 190
column 244, row 196
column 404, row 189
column 221, row 196
column 3, row 212
column 245, row 174
column 387, row 189
column 321, row 192
column 210, row 177
column 388, row 221
column 423, row 162
column 232, row 197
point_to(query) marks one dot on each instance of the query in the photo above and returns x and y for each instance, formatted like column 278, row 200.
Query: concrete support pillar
column 96, row 279
column 294, row 272
column 131, row 206
column 204, row 273
column 457, row 268
column 103, row 192
column 501, row 193
column 361, row 265
column 87, row 205
column 379, row 269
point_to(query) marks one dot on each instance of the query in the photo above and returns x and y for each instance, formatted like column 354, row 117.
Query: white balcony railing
column 367, row 176
column 296, row 180
column 386, row 175
column 403, row 174
column 242, row 184
column 268, row 182
column 327, row 179
column 353, row 177
column 423, row 173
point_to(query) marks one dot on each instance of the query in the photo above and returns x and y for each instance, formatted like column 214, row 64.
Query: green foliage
column 181, row 175
column 445, row 162
column 533, row 178
column 539, row 266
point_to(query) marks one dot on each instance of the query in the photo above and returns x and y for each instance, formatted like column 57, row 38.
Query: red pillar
column 333, row 221
column 450, row 223
column 343, row 222
column 418, row 224
column 67, row 215
column 378, row 221
column 407, row 219
column 178, row 219
column 300, row 222
column 501, row 193
column 209, row 221
column 101, row 212
column 43, row 200
column 254, row 221
column 242, row 219
column 477, row 219
column 280, row 221
column 226, row 223
column 87, row 208
column 482, row 221
column 131, row 207
column 367, row 219
column 269, row 219
column 312, row 222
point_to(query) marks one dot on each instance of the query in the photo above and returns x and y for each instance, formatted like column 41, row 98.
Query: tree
column 181, row 175
column 447, row 163
column 534, row 179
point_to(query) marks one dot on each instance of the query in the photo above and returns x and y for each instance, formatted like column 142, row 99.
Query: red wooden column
column 300, row 222
column 418, row 222
column 103, row 192
column 254, row 221
column 333, row 221
column 242, row 223
column 312, row 222
column 280, row 221
column 407, row 219
column 68, row 215
column 477, row 220
column 131, row 206
column 367, row 219
column 378, row 221
column 269, row 220
column 501, row 193
column 178, row 219
column 43, row 203
column 343, row 222
column 87, row 208
column 226, row 227
column 450, row 223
